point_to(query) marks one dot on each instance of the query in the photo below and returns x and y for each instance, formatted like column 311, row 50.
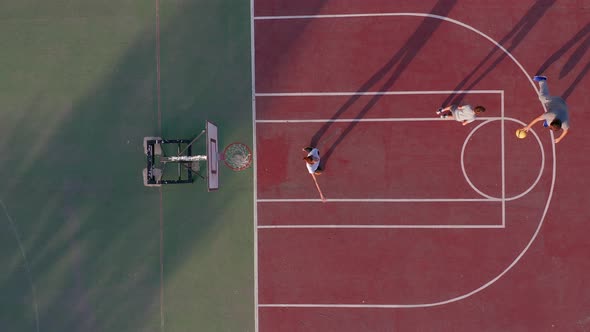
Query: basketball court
column 424, row 217
column 154, row 176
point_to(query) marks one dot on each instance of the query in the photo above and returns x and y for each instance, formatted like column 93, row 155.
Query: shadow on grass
column 90, row 229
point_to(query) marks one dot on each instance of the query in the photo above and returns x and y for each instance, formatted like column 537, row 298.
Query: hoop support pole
column 183, row 159
column 193, row 141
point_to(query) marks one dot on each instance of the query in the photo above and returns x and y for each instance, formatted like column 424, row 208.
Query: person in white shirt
column 464, row 114
column 312, row 161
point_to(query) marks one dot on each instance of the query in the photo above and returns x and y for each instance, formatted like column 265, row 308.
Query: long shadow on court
column 566, row 94
column 393, row 69
column 576, row 55
column 573, row 60
column 512, row 39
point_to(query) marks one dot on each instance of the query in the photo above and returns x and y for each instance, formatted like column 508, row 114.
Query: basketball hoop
column 188, row 164
column 237, row 156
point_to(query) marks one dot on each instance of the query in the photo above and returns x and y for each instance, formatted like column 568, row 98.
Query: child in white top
column 464, row 114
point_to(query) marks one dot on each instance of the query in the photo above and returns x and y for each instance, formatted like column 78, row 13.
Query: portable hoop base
column 186, row 163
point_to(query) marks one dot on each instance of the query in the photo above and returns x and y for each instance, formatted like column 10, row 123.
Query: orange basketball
column 521, row 133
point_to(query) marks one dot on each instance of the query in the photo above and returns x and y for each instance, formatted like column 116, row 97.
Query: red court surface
column 429, row 225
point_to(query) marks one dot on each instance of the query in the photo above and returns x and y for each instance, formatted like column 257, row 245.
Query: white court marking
column 487, row 198
column 25, row 262
column 537, row 230
column 383, row 226
column 254, row 163
column 503, row 198
column 376, row 93
column 377, row 200
column 366, row 120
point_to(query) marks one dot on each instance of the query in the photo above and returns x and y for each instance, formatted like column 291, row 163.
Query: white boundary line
column 535, row 234
column 26, row 264
column 382, row 200
column 503, row 160
column 369, row 226
column 254, row 164
column 368, row 120
column 302, row 17
column 376, row 93
column 377, row 200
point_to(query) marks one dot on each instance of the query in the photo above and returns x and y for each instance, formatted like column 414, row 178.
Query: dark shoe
column 539, row 78
column 307, row 149
column 319, row 170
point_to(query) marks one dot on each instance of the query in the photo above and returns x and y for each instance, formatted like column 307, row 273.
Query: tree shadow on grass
column 91, row 230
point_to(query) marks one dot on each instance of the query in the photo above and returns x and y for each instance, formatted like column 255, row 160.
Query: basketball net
column 237, row 156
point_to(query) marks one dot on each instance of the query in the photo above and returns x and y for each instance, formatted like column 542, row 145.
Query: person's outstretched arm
column 537, row 119
column 563, row 133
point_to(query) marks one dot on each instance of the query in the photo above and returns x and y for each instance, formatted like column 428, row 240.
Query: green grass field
column 80, row 239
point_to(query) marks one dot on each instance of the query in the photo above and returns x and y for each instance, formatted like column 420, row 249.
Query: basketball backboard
column 212, row 157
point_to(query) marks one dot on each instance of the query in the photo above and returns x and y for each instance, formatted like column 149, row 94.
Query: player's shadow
column 393, row 69
column 576, row 55
column 512, row 39
column 574, row 59
column 576, row 81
